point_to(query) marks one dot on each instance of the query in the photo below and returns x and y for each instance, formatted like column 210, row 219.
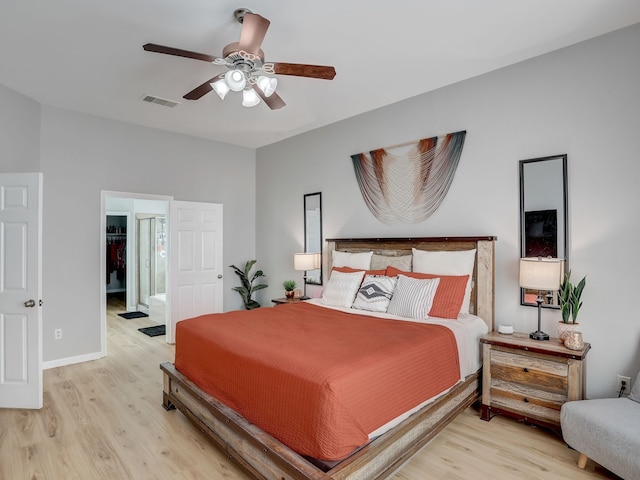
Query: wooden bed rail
column 265, row 458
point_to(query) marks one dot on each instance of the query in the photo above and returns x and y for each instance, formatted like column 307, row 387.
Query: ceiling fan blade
column 203, row 89
column 152, row 47
column 301, row 70
column 273, row 101
column 254, row 28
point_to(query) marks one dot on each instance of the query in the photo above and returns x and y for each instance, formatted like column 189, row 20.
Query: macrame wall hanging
column 407, row 183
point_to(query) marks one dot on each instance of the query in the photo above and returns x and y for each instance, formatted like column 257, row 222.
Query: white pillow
column 447, row 263
column 360, row 260
column 375, row 293
column 341, row 288
column 413, row 297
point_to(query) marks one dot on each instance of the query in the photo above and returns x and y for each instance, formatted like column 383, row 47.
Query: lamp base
column 304, row 297
column 539, row 335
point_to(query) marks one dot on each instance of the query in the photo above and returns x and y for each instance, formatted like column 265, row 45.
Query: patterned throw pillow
column 341, row 289
column 413, row 297
column 375, row 293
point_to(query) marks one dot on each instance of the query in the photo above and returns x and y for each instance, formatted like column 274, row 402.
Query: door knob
column 30, row 303
column 219, row 275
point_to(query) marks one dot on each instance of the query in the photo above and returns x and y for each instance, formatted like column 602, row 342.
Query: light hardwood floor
column 104, row 420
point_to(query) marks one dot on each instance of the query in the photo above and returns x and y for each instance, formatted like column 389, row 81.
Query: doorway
column 151, row 263
column 194, row 273
column 130, row 206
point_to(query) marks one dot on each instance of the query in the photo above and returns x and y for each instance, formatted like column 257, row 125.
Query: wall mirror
column 543, row 216
column 313, row 233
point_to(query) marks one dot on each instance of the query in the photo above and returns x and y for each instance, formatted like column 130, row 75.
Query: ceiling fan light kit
column 267, row 85
column 235, row 80
column 246, row 66
column 221, row 88
column 250, row 98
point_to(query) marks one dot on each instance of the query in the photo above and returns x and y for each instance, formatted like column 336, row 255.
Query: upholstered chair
column 606, row 430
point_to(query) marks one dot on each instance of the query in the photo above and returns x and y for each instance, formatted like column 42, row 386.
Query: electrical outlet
column 627, row 384
column 57, row 333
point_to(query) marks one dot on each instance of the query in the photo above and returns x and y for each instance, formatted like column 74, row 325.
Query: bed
column 378, row 455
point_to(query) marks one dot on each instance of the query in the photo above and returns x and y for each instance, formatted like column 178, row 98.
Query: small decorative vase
column 565, row 328
column 289, row 293
column 573, row 341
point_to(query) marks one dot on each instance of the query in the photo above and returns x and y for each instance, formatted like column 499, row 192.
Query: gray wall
column 583, row 100
column 81, row 155
column 19, row 132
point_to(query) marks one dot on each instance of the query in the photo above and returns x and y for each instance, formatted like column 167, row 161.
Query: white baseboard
column 61, row 362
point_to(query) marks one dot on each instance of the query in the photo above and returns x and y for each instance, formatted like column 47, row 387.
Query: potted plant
column 248, row 288
column 289, row 287
column 569, row 298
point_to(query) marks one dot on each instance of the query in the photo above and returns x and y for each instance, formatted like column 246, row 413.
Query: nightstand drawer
column 548, row 375
column 528, row 401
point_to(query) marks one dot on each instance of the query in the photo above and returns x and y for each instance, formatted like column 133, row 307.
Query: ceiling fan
column 246, row 69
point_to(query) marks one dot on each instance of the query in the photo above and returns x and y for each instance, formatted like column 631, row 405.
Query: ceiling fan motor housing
column 240, row 13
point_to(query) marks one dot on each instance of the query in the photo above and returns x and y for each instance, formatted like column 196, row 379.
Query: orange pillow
column 366, row 272
column 449, row 295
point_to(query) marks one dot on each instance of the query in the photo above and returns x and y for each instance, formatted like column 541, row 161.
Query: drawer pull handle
column 526, row 370
column 526, row 400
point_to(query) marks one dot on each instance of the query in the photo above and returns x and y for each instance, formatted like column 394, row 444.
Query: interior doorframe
column 104, row 195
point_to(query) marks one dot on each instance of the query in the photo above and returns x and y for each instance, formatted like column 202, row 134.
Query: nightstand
column 530, row 379
column 284, row 300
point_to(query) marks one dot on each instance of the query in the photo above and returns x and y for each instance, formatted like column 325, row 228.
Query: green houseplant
column 569, row 297
column 289, row 286
column 249, row 287
column 570, row 300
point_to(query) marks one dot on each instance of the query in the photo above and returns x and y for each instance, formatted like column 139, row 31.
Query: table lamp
column 542, row 274
column 306, row 261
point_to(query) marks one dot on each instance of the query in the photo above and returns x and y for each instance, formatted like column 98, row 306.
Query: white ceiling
column 87, row 56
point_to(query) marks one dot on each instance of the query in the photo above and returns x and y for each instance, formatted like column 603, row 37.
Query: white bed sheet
column 467, row 329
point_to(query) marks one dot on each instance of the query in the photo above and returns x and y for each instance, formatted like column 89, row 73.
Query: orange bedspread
column 317, row 379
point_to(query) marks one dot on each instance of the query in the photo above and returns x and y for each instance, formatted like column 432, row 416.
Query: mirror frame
column 313, row 278
column 560, row 228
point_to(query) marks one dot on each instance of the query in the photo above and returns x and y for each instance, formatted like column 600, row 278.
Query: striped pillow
column 450, row 295
column 375, row 293
column 413, row 297
column 460, row 262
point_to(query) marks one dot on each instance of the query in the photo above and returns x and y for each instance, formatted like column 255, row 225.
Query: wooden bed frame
column 264, row 457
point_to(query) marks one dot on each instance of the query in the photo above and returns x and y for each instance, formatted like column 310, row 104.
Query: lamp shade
column 250, row 98
column 235, row 80
column 221, row 88
column 306, row 261
column 267, row 85
column 540, row 273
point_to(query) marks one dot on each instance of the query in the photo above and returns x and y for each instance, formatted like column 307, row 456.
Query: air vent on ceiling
column 159, row 101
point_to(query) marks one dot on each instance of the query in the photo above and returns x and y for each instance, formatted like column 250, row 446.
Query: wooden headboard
column 483, row 279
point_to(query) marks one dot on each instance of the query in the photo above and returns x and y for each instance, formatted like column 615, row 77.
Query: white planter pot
column 565, row 328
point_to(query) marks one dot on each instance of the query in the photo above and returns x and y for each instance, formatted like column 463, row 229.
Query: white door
column 20, row 290
column 196, row 261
